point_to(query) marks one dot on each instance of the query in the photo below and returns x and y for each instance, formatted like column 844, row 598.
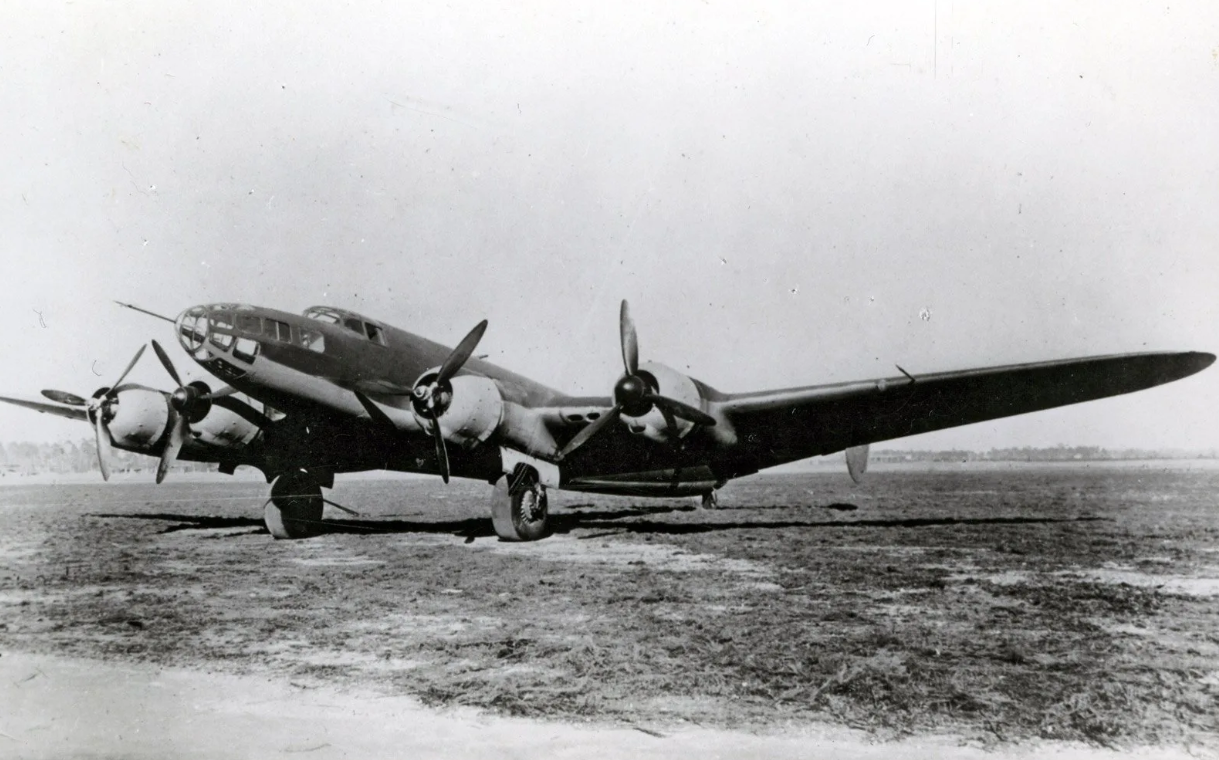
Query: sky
column 787, row 193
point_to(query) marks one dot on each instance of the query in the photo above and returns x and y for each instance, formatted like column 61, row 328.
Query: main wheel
column 520, row 513
column 295, row 508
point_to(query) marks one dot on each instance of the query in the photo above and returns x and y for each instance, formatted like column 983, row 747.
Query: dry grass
column 948, row 602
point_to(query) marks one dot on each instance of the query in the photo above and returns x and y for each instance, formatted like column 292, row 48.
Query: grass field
column 999, row 605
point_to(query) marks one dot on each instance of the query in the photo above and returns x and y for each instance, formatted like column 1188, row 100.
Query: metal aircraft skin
column 334, row 391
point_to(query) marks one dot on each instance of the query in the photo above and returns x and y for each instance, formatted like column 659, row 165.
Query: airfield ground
column 995, row 606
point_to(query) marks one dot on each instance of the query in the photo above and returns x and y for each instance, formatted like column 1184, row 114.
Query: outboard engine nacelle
column 136, row 418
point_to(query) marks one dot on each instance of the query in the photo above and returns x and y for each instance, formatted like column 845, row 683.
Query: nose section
column 192, row 330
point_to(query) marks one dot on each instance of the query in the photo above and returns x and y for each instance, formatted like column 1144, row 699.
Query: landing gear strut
column 295, row 507
column 519, row 506
column 711, row 500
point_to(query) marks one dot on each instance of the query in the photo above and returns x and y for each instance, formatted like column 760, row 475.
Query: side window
column 354, row 325
column 245, row 349
column 375, row 334
column 222, row 319
column 222, row 340
column 273, row 328
column 312, row 340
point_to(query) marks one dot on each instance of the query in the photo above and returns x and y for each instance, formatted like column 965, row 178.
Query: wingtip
column 1195, row 361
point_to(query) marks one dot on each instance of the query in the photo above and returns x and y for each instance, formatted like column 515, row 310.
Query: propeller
column 634, row 394
column 432, row 398
column 190, row 402
column 98, row 407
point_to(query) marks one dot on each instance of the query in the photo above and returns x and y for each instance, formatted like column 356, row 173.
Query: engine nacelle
column 139, row 419
column 474, row 411
column 665, row 381
column 223, row 429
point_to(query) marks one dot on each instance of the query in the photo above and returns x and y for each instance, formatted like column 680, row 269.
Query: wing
column 71, row 412
column 784, row 425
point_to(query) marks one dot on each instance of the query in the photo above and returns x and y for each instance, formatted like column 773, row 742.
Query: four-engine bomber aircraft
column 340, row 392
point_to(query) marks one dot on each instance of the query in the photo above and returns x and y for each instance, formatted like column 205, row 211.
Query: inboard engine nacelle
column 668, row 382
column 471, row 411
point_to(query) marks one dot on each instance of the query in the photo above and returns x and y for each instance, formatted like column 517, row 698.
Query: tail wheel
column 295, row 507
column 519, row 507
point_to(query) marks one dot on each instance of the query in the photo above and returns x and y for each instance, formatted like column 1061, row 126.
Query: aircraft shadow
column 607, row 522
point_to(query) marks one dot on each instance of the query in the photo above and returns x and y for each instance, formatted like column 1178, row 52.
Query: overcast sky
column 787, row 193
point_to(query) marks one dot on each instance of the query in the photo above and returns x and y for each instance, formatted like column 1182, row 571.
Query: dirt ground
column 1001, row 607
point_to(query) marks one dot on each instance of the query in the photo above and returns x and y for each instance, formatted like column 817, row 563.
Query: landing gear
column 295, row 507
column 519, row 506
column 711, row 500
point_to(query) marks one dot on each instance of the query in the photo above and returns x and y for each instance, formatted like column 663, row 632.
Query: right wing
column 785, row 425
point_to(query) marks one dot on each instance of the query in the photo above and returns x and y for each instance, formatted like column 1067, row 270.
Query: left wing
column 785, row 425
column 71, row 412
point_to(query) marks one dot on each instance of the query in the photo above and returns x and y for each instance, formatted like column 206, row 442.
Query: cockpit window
column 349, row 321
column 322, row 314
column 249, row 323
column 222, row 319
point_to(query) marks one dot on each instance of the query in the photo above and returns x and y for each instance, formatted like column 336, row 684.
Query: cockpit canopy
column 350, row 321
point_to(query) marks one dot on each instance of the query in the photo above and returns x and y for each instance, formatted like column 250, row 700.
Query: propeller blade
column 685, row 411
column 590, row 430
column 179, row 429
column 670, row 423
column 116, row 390
column 166, row 363
column 130, row 364
column 630, row 341
column 103, row 443
column 461, row 354
column 442, row 454
column 227, row 390
column 63, row 397
column 243, row 410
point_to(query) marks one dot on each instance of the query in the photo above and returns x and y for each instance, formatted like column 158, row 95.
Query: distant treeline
column 81, row 456
column 1040, row 454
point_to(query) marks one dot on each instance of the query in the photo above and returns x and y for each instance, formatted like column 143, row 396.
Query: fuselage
column 321, row 356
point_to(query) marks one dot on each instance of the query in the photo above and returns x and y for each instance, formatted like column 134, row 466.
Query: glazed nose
column 192, row 328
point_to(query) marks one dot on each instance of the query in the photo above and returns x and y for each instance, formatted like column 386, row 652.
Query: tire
column 522, row 514
column 295, row 507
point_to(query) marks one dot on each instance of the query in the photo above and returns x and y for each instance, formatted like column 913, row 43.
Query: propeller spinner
column 432, row 396
column 98, row 408
column 189, row 402
column 634, row 394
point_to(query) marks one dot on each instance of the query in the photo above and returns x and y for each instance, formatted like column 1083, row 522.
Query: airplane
column 334, row 391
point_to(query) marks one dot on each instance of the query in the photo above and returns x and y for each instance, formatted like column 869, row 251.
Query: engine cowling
column 472, row 409
column 668, row 382
column 137, row 420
